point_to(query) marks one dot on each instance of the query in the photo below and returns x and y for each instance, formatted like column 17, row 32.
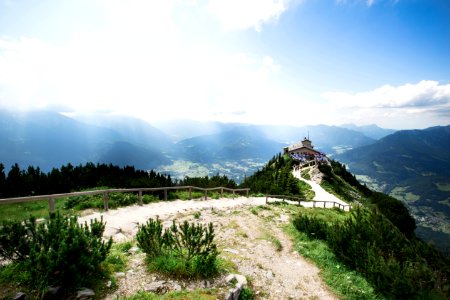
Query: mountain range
column 413, row 166
column 181, row 147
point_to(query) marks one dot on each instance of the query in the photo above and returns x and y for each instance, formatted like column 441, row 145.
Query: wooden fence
column 314, row 202
column 51, row 198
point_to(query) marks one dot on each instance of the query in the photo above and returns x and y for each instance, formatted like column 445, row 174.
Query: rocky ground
column 249, row 236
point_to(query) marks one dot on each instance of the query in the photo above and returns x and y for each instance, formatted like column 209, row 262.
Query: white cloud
column 141, row 64
column 245, row 14
column 406, row 106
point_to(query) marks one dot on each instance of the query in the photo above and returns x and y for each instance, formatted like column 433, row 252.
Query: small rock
column 207, row 284
column 234, row 294
column 53, row 292
column 176, row 287
column 231, row 251
column 269, row 275
column 108, row 284
column 133, row 250
column 120, row 237
column 157, row 287
column 119, row 274
column 283, row 218
column 85, row 294
column 20, row 296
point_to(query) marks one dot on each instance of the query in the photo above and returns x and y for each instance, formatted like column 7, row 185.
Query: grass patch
column 275, row 242
column 305, row 174
column 38, row 209
column 184, row 195
column 344, row 282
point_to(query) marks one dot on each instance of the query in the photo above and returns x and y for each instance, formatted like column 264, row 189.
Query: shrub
column 185, row 250
column 369, row 243
column 57, row 252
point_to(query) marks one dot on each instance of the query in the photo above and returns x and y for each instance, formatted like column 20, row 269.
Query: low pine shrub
column 59, row 252
column 398, row 267
column 184, row 250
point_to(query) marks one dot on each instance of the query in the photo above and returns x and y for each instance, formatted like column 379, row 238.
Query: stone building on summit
column 304, row 147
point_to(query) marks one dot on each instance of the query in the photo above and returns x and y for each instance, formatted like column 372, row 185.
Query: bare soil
column 249, row 235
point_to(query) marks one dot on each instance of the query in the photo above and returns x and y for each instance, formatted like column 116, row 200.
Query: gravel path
column 122, row 223
column 321, row 194
column 245, row 236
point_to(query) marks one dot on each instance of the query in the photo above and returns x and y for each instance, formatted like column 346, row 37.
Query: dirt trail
column 248, row 233
column 321, row 194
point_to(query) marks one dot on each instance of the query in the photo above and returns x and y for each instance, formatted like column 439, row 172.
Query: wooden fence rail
column 51, row 198
column 315, row 202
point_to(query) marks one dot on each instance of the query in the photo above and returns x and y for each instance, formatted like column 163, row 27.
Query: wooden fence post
column 314, row 203
column 206, row 194
column 266, row 198
column 51, row 203
column 233, row 194
column 190, row 193
column 140, row 197
column 221, row 192
column 165, row 195
column 247, row 193
column 105, row 201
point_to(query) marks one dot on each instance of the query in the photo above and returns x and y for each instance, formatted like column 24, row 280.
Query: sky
column 298, row 62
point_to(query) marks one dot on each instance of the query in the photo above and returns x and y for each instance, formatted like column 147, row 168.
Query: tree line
column 68, row 178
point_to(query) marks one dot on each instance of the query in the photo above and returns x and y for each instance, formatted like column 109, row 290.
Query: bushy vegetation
column 343, row 182
column 367, row 242
column 184, row 250
column 275, row 178
column 59, row 252
column 114, row 200
column 208, row 182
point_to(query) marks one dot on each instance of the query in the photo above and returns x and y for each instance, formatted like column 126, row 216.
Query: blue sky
column 257, row 61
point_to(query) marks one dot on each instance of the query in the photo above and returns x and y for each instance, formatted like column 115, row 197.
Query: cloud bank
column 404, row 105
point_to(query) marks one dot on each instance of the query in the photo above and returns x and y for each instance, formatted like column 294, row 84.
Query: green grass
column 306, row 190
column 344, row 282
column 275, row 242
column 38, row 209
column 305, row 174
column 184, row 195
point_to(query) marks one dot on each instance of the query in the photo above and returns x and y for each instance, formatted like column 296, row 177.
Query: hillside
column 414, row 166
column 49, row 140
column 373, row 131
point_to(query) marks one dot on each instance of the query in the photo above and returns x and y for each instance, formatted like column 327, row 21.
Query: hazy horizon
column 265, row 62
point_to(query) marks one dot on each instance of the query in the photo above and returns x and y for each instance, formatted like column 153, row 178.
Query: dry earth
column 250, row 235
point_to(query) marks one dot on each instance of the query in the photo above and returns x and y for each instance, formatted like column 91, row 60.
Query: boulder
column 157, row 287
column 85, row 294
column 20, row 296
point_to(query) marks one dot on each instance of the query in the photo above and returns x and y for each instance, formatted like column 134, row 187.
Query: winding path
column 320, row 193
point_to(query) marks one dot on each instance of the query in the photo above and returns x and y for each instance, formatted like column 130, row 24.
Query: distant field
column 444, row 187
